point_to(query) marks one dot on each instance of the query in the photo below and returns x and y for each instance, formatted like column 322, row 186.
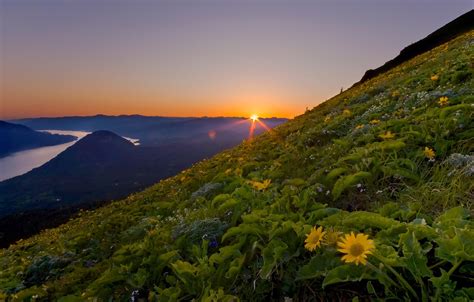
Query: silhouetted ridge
column 100, row 147
column 14, row 138
column 103, row 138
column 449, row 31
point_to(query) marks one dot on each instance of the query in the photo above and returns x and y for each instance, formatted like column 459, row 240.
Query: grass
column 233, row 227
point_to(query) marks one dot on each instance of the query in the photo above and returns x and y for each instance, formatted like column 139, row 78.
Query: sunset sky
column 196, row 58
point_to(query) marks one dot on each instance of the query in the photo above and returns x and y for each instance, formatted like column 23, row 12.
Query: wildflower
column 395, row 93
column 314, row 238
column 260, row 186
column 434, row 77
column 443, row 101
column 429, row 153
column 359, row 126
column 346, row 112
column 331, row 237
column 213, row 243
column 387, row 135
column 374, row 122
column 327, row 119
column 356, row 248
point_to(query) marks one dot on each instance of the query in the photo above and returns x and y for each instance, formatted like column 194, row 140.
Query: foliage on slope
column 391, row 158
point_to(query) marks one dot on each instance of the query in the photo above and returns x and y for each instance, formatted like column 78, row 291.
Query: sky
column 198, row 58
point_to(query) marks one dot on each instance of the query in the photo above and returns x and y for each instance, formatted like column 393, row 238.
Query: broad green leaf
column 413, row 255
column 347, row 181
column 455, row 217
column 317, row 215
column 335, row 173
column 348, row 273
column 235, row 267
column 318, row 266
column 243, row 229
column 363, row 220
column 444, row 284
column 272, row 255
column 459, row 247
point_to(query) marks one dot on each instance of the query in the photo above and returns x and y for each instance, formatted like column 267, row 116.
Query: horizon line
column 140, row 115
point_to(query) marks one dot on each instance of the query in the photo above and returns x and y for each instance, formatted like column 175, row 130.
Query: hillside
column 14, row 138
column 449, row 31
column 391, row 158
column 97, row 169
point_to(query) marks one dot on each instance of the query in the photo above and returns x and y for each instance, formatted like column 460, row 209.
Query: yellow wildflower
column 314, row 238
column 395, row 93
column 359, row 126
column 327, row 119
column 356, row 248
column 387, row 135
column 260, row 185
column 443, row 101
column 434, row 77
column 332, row 237
column 374, row 122
column 429, row 153
column 346, row 113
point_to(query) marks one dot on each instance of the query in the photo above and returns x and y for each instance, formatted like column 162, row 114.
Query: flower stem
column 399, row 277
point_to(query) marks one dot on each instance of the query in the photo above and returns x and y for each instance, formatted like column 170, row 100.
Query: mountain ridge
column 447, row 32
column 15, row 137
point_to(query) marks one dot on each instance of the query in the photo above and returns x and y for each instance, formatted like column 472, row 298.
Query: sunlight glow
column 254, row 119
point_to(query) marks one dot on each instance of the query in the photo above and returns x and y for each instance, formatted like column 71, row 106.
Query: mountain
column 102, row 166
column 156, row 130
column 98, row 168
column 458, row 26
column 368, row 196
column 14, row 138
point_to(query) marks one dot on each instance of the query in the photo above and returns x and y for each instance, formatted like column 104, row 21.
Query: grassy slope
column 324, row 170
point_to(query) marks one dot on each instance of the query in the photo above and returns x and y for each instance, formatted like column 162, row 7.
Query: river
column 19, row 163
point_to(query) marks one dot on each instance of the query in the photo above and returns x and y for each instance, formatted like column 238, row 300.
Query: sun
column 254, row 117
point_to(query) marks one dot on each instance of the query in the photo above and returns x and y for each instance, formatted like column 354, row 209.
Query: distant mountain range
column 14, row 138
column 156, row 130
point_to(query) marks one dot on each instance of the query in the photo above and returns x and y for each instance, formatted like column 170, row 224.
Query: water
column 21, row 162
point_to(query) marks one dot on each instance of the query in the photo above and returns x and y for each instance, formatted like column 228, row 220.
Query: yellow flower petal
column 314, row 238
column 356, row 248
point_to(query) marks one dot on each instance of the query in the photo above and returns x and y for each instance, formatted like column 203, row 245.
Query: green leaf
column 318, row 266
column 455, row 217
column 243, row 229
column 363, row 220
column 317, row 215
column 235, row 266
column 414, row 257
column 347, row 181
column 348, row 273
column 461, row 246
column 444, row 284
column 71, row 298
column 272, row 255
column 370, row 288
column 183, row 267
column 335, row 173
